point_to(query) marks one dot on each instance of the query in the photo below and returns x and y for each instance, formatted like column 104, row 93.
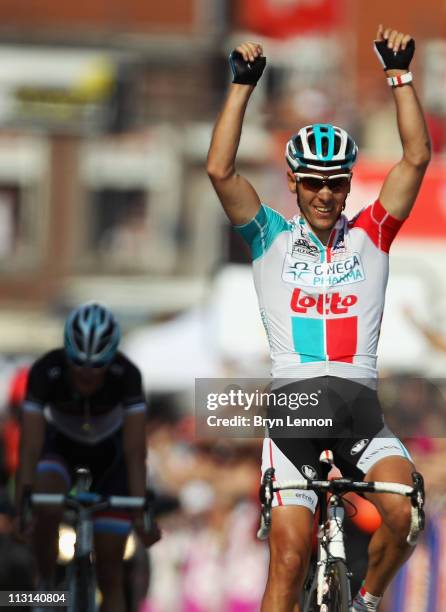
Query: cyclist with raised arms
column 84, row 406
column 321, row 282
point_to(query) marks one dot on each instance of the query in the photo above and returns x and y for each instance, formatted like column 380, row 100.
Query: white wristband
column 401, row 79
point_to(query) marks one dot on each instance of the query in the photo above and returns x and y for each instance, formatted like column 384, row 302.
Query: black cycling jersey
column 85, row 419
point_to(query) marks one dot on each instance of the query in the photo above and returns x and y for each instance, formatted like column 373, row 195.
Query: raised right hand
column 247, row 63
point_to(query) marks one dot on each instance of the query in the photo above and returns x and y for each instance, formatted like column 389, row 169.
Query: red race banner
column 286, row 18
column 428, row 217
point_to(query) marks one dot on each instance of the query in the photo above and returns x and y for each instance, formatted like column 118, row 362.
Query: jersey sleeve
column 261, row 231
column 133, row 400
column 37, row 389
column 378, row 224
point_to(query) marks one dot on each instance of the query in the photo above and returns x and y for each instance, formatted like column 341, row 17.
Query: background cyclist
column 85, row 406
column 292, row 273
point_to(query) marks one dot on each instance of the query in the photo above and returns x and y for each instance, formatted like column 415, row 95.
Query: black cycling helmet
column 91, row 335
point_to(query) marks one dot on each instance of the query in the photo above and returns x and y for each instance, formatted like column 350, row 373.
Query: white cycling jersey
column 322, row 305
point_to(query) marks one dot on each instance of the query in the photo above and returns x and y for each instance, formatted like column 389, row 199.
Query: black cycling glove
column 246, row 73
column 394, row 61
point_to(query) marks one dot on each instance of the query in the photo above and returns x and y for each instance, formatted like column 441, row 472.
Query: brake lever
column 418, row 497
column 266, row 494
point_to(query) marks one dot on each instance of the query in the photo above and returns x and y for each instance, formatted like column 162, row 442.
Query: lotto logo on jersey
column 331, row 303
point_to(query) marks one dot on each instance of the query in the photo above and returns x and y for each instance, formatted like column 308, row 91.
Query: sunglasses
column 315, row 182
column 90, row 366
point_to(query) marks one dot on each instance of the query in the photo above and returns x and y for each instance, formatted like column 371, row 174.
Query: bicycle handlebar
column 94, row 501
column 344, row 485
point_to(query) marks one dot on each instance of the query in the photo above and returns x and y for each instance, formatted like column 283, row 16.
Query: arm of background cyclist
column 403, row 182
column 33, row 427
column 134, row 441
column 238, row 197
column 135, row 457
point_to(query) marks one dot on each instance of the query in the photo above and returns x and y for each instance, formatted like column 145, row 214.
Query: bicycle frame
column 85, row 504
column 331, row 549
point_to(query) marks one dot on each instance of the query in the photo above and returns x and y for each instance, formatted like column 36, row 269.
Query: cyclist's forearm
column 136, row 473
column 31, row 443
column 411, row 124
column 227, row 132
column 26, row 473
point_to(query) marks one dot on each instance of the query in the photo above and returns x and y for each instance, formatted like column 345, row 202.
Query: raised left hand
column 394, row 49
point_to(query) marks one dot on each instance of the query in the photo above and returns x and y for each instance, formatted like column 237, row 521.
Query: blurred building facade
column 106, row 113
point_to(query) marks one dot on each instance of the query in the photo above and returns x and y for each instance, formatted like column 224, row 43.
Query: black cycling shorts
column 105, row 460
column 357, row 435
column 107, row 465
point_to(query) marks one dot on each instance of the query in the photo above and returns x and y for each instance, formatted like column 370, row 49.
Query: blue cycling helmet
column 321, row 146
column 91, row 335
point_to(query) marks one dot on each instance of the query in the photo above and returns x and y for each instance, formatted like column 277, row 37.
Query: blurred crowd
column 210, row 551
column 209, row 559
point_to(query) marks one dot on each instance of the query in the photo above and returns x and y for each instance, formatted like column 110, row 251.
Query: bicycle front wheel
column 82, row 586
column 308, row 601
column 337, row 597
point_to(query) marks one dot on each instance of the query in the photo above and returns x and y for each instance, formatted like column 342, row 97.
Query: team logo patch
column 304, row 497
column 359, row 446
column 308, row 471
column 345, row 271
column 305, row 248
column 339, row 247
